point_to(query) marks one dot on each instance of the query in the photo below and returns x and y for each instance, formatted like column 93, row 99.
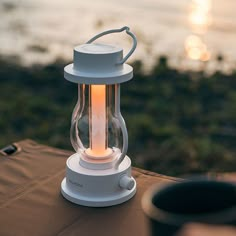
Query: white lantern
column 99, row 173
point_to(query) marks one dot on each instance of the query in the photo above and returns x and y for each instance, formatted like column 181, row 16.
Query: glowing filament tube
column 98, row 126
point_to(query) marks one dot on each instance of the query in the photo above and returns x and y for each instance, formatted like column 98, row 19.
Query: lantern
column 99, row 173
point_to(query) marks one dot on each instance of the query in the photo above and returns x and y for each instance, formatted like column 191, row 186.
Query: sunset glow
column 196, row 49
column 200, row 17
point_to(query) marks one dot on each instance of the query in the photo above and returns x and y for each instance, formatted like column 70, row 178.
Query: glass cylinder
column 97, row 127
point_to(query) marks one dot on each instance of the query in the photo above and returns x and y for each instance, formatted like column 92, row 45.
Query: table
column 32, row 205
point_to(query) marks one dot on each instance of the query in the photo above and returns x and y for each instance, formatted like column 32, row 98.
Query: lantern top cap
column 96, row 63
column 98, row 48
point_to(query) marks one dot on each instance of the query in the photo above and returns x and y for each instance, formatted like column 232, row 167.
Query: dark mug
column 169, row 207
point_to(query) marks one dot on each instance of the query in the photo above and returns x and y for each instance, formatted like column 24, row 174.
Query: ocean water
column 192, row 33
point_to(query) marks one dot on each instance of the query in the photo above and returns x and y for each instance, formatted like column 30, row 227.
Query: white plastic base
column 97, row 188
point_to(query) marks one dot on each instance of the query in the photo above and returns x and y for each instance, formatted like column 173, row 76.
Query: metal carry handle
column 125, row 28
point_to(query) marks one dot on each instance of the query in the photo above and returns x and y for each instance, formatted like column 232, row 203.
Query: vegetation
column 177, row 125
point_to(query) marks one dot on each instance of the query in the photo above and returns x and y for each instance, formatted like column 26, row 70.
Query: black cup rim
column 222, row 216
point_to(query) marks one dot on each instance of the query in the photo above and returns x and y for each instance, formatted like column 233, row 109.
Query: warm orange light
column 192, row 41
column 194, row 53
column 196, row 49
column 98, row 124
column 205, row 56
column 200, row 17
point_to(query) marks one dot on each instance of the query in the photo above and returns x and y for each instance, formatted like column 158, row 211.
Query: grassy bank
column 178, row 123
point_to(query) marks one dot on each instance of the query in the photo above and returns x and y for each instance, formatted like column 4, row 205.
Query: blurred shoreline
column 193, row 33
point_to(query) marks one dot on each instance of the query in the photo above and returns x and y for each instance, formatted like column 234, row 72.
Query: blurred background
column 180, row 108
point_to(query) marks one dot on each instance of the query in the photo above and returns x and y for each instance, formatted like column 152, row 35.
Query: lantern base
column 97, row 188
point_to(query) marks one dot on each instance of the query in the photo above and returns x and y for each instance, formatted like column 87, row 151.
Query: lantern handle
column 125, row 28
